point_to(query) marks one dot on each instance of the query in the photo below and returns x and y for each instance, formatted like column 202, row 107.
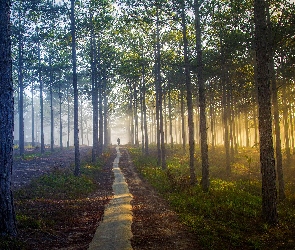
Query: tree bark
column 183, row 132
column 170, row 115
column 41, row 96
column 94, row 91
column 278, row 148
column 189, row 97
column 7, row 214
column 159, row 97
column 68, row 104
column 146, row 136
column 33, row 116
column 51, row 106
column 100, row 103
column 105, row 110
column 286, row 123
column 60, row 114
column 21, row 86
column 225, row 107
column 75, row 86
column 267, row 161
column 202, row 101
column 135, row 114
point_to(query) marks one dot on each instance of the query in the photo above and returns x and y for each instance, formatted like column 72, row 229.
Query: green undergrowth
column 58, row 185
column 54, row 197
column 62, row 184
column 229, row 215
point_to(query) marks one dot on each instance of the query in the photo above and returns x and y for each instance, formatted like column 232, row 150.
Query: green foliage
column 229, row 215
column 25, row 221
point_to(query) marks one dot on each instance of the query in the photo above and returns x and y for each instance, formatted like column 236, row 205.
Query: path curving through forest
column 114, row 231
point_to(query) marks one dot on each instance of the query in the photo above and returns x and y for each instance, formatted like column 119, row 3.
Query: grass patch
column 57, row 201
column 58, row 185
column 229, row 215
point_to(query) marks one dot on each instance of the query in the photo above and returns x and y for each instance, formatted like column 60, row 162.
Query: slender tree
column 94, row 89
column 7, row 215
column 75, row 86
column 20, row 81
column 202, row 100
column 41, row 92
column 189, row 95
column 267, row 161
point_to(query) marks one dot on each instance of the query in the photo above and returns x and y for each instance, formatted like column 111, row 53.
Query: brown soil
column 71, row 224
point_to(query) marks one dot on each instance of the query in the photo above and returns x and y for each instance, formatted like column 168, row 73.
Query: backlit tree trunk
column 202, row 102
column 267, row 161
column 189, row 97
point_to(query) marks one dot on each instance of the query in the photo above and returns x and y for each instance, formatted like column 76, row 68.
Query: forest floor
column 71, row 223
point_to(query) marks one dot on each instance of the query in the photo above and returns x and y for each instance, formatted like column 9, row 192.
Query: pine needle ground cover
column 229, row 215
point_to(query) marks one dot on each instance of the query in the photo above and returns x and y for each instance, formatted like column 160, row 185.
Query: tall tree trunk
column 224, row 79
column 141, row 119
column 146, row 136
column 255, row 124
column 247, row 137
column 130, row 115
column 100, row 97
column 158, row 80
column 135, row 114
column 278, row 148
column 286, row 123
column 267, row 161
column 7, row 215
column 51, row 106
column 81, row 122
column 21, row 86
column 183, row 131
column 170, row 115
column 105, row 111
column 231, row 123
column 165, row 114
column 41, row 96
column 202, row 101
column 68, row 104
column 60, row 114
column 33, row 116
column 94, row 91
column 158, row 134
column 75, row 86
column 189, row 97
column 212, row 123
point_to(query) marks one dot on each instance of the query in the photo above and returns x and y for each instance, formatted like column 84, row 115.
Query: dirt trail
column 114, row 232
column 155, row 225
